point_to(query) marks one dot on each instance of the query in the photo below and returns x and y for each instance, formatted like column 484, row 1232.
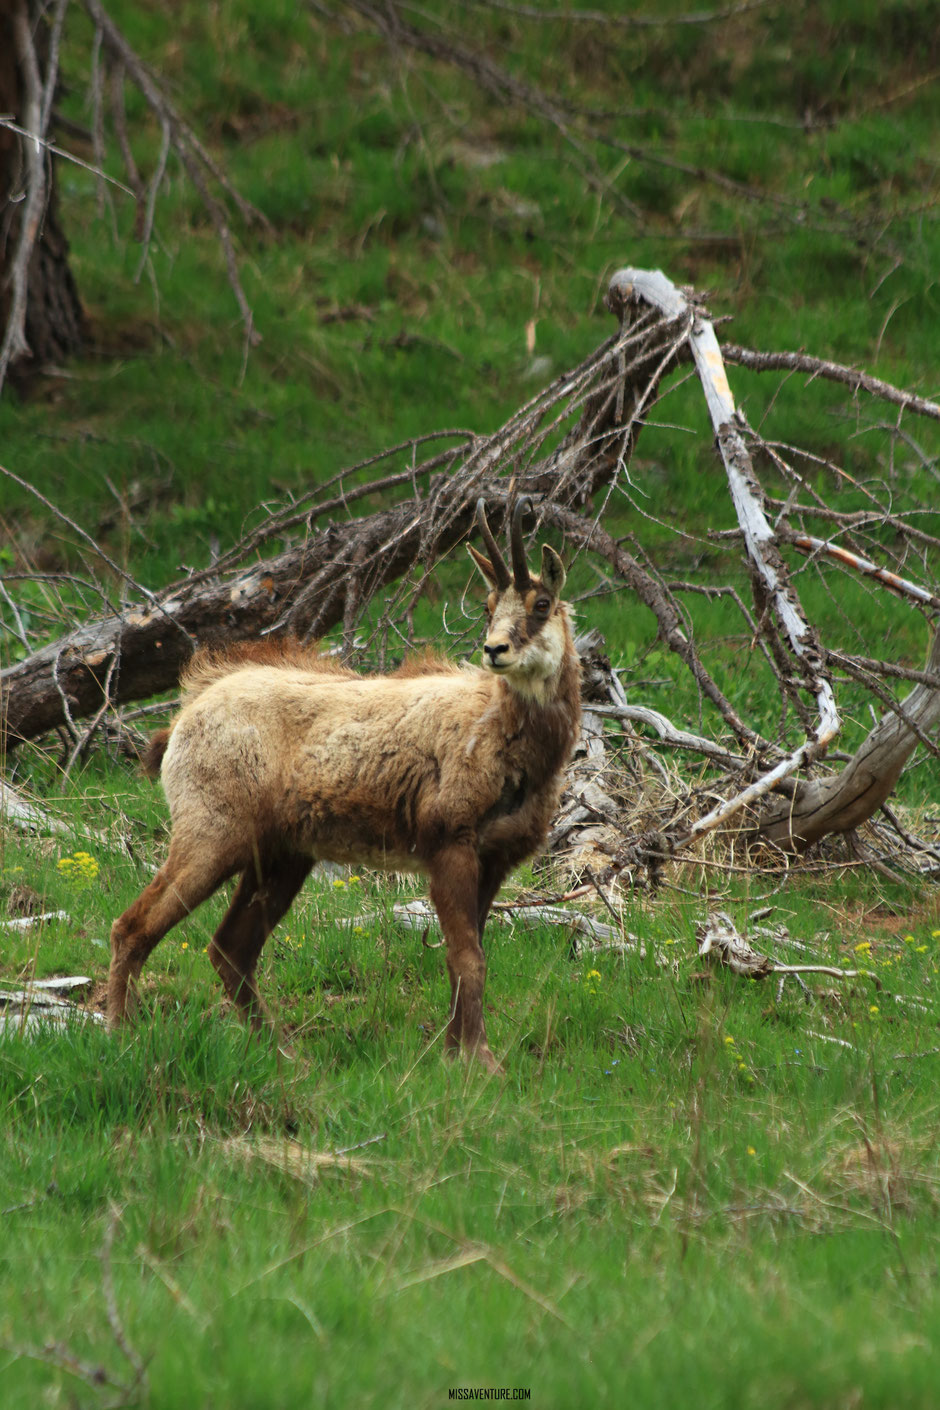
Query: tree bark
column 55, row 326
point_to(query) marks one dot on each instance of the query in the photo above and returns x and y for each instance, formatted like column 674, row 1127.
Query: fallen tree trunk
column 140, row 653
column 333, row 573
column 822, row 806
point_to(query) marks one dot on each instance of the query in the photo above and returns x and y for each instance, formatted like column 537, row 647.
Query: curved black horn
column 520, row 568
column 500, row 571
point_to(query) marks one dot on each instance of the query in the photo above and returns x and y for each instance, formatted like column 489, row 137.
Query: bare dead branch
column 720, row 941
column 156, row 97
column 305, row 589
column 608, row 19
column 672, row 735
column 82, row 533
column 885, row 668
column 823, row 806
column 150, row 204
column 746, row 496
column 653, row 595
column 831, row 371
column 579, row 129
column 56, row 151
column 807, row 544
column 860, row 518
column 571, row 441
column 196, row 160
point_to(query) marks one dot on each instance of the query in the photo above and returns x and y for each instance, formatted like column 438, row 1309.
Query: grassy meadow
column 689, row 1188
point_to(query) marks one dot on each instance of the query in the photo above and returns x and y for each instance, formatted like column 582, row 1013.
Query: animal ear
column 553, row 571
column 484, row 565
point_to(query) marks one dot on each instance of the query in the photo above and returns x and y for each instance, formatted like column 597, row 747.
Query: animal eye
column 543, row 605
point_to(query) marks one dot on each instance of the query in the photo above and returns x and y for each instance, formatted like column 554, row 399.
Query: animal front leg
column 454, row 885
column 492, row 874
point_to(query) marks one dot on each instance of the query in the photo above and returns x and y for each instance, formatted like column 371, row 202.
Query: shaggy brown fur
column 287, row 653
column 152, row 760
column 426, row 663
column 280, row 758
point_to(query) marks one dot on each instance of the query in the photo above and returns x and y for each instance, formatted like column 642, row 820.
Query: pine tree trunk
column 55, row 325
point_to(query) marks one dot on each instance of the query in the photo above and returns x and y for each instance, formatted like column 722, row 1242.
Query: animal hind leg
column 178, row 888
column 262, row 897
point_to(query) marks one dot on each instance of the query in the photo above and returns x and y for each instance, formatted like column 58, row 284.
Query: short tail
column 153, row 755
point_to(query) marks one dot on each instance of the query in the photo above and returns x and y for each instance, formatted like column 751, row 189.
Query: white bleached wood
column 653, row 287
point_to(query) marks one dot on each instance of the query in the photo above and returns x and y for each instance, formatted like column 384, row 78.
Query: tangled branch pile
column 313, row 566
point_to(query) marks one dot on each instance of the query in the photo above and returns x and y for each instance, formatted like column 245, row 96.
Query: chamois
column 280, row 758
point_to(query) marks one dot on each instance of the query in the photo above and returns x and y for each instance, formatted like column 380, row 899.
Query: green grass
column 377, row 200
column 674, row 1171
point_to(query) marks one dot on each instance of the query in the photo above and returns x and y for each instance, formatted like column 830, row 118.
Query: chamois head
column 528, row 629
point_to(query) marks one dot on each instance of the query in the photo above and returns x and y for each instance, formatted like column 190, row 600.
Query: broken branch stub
column 720, row 942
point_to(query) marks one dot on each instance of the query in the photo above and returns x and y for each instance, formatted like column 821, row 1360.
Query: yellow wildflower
column 80, row 870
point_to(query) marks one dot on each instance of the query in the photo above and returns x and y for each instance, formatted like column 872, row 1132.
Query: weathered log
column 827, row 805
column 140, row 653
